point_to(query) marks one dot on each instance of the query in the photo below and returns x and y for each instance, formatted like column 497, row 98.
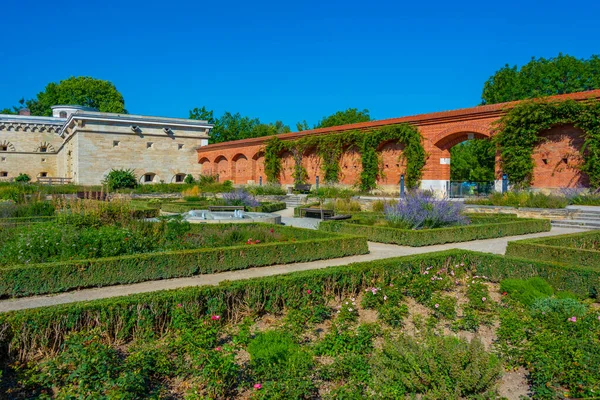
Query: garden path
column 377, row 251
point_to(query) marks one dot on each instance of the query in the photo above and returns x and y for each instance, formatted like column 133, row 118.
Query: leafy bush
column 240, row 198
column 189, row 179
column 437, row 367
column 121, row 179
column 30, row 209
column 269, row 189
column 23, row 178
column 522, row 199
column 421, row 210
column 527, row 291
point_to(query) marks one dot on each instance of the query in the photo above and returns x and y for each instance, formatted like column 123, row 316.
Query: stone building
column 81, row 145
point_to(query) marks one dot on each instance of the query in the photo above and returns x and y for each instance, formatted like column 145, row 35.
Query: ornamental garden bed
column 577, row 249
column 48, row 258
column 442, row 325
column 481, row 227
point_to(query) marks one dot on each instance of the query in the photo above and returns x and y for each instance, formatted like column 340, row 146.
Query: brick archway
column 240, row 171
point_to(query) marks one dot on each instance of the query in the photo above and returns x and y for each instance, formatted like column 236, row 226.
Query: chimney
column 24, row 111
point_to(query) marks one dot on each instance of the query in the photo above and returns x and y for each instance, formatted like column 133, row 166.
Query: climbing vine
column 330, row 148
column 517, row 134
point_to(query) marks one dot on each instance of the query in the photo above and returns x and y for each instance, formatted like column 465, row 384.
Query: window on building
column 115, row 143
column 43, row 160
column 179, row 178
column 43, row 149
column 3, row 174
column 3, row 159
column 63, row 114
column 148, row 177
column 43, row 174
column 179, row 146
column 3, row 148
column 149, row 145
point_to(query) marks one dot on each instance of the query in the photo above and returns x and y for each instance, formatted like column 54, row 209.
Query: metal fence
column 461, row 189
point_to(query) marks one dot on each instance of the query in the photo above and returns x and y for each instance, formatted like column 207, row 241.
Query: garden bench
column 302, row 187
column 225, row 208
column 316, row 213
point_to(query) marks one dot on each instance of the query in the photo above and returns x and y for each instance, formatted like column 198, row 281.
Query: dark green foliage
column 437, row 367
column 542, row 77
column 473, row 160
column 349, row 116
column 121, row 179
column 25, row 210
column 189, row 179
column 428, row 237
column 22, row 178
column 265, row 190
column 577, row 249
column 526, row 291
column 330, row 148
column 235, row 126
column 80, row 90
column 517, row 133
column 294, row 245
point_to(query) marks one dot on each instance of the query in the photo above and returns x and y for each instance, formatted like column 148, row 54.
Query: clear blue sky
column 287, row 60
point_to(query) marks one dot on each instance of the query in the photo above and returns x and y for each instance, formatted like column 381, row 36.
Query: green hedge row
column 569, row 249
column 25, row 333
column 427, row 237
column 35, row 279
column 269, row 207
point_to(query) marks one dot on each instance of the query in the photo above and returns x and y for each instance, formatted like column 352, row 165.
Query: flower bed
column 367, row 330
column 206, row 249
column 481, row 228
column 576, row 249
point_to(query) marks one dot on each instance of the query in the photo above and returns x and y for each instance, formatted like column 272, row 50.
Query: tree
column 542, row 77
column 473, row 160
column 350, row 116
column 81, row 90
column 235, row 126
column 14, row 110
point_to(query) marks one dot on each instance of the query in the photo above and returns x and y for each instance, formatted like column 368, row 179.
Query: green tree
column 473, row 160
column 235, row 126
column 81, row 90
column 349, row 116
column 542, row 77
column 14, row 109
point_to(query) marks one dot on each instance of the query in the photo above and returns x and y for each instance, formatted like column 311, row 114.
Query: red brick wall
column 243, row 161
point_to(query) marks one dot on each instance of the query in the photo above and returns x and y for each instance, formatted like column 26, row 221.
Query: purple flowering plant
column 240, row 197
column 422, row 210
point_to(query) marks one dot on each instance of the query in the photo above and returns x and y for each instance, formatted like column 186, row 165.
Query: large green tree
column 473, row 160
column 542, row 77
column 81, row 90
column 235, row 126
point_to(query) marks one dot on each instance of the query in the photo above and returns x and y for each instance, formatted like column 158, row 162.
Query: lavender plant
column 421, row 210
column 240, row 197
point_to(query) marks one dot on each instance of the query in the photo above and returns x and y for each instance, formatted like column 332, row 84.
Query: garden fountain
column 227, row 217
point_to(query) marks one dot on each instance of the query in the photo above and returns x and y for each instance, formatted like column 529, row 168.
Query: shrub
column 526, row 291
column 23, row 178
column 421, row 210
column 437, row 367
column 121, row 179
column 189, row 179
column 269, row 189
column 240, row 198
column 522, row 199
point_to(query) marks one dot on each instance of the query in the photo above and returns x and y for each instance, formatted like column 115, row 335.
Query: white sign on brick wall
column 445, row 160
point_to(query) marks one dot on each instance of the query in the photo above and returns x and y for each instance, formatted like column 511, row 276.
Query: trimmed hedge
column 35, row 279
column 26, row 333
column 564, row 248
column 269, row 207
column 427, row 237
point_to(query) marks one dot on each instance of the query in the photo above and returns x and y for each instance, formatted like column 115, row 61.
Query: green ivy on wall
column 330, row 148
column 518, row 132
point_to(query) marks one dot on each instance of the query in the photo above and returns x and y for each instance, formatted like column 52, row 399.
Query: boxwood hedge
column 35, row 279
column 577, row 248
column 427, row 237
column 26, row 333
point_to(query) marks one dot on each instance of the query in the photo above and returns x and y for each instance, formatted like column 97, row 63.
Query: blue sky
column 287, row 60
